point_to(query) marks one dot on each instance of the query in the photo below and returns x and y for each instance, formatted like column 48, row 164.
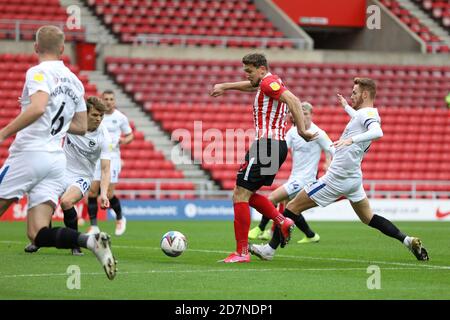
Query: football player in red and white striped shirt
column 267, row 153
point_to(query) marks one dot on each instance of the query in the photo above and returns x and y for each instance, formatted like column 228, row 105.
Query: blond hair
column 96, row 103
column 367, row 84
column 49, row 39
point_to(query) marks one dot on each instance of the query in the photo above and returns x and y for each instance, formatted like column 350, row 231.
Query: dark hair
column 96, row 103
column 255, row 59
column 367, row 84
column 108, row 91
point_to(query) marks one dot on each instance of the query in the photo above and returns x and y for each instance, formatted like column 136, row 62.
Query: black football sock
column 71, row 218
column 303, row 226
column 300, row 222
column 61, row 238
column 115, row 205
column 386, row 227
column 92, row 210
column 276, row 238
column 263, row 224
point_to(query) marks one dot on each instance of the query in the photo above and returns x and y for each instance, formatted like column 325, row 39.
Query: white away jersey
column 65, row 98
column 347, row 159
column 306, row 155
column 82, row 152
column 116, row 123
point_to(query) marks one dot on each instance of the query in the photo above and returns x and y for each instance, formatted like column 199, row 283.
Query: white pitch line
column 197, row 271
column 425, row 265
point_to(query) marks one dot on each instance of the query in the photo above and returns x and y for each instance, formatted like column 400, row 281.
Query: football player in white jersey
column 344, row 176
column 117, row 124
column 82, row 153
column 306, row 157
column 52, row 105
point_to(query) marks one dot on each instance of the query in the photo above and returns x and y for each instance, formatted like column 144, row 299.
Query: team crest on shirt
column 39, row 77
column 114, row 121
column 275, row 86
column 91, row 143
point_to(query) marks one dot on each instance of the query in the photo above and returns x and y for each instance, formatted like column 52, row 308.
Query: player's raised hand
column 217, row 90
column 342, row 100
column 341, row 143
column 104, row 202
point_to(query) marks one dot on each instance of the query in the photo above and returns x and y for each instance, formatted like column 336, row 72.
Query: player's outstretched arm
column 104, row 182
column 78, row 125
column 350, row 111
column 33, row 112
column 295, row 108
column 374, row 132
column 220, row 88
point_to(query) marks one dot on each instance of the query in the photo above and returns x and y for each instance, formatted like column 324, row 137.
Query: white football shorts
column 115, row 168
column 38, row 174
column 293, row 186
column 330, row 188
column 81, row 183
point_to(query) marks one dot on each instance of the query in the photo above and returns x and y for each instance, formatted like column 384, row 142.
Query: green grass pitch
column 335, row 268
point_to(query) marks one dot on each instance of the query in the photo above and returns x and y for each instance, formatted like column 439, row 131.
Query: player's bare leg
column 68, row 200
column 364, row 212
column 39, row 217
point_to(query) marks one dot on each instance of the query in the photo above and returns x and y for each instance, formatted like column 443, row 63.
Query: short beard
column 358, row 103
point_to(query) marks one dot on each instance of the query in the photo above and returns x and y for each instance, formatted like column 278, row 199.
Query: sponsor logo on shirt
column 275, row 86
column 39, row 77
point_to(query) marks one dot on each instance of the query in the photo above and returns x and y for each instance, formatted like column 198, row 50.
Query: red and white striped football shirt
column 269, row 113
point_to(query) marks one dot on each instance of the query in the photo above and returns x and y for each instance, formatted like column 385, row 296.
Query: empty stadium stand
column 189, row 81
column 19, row 19
column 192, row 22
column 439, row 10
column 415, row 119
column 434, row 43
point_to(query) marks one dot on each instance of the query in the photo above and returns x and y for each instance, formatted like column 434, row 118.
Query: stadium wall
column 15, row 47
column 282, row 21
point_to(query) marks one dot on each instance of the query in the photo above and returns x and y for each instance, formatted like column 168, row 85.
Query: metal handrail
column 223, row 40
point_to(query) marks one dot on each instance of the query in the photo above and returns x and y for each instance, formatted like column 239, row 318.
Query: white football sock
column 407, row 242
column 91, row 242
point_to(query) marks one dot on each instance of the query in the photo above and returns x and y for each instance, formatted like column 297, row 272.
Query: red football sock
column 268, row 210
column 281, row 207
column 241, row 226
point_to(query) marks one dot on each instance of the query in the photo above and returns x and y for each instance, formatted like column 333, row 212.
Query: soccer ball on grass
column 173, row 243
